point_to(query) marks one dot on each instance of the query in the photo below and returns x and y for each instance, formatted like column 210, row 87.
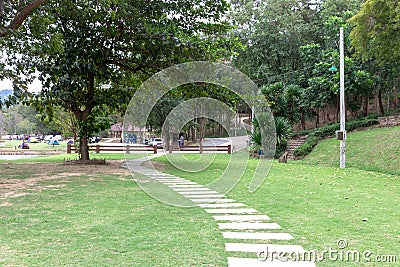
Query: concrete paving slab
column 248, row 225
column 205, row 196
column 265, row 248
column 257, row 236
column 192, row 189
column 178, row 183
column 198, row 192
column 228, row 211
column 213, row 200
column 185, row 186
column 241, row 218
column 226, row 205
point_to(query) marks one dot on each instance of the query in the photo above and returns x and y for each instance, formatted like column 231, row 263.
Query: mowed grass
column 41, row 146
column 376, row 149
column 74, row 157
column 88, row 216
column 321, row 205
column 91, row 216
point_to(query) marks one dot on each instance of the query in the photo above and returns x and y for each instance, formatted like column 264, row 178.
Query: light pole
column 341, row 134
column 342, row 105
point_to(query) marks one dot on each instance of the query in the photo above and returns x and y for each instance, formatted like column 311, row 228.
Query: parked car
column 48, row 137
column 95, row 139
column 156, row 142
column 6, row 137
column 58, row 137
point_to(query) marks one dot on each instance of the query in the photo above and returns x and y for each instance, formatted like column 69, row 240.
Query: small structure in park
column 130, row 134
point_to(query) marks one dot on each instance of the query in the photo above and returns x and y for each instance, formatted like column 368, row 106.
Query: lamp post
column 341, row 134
column 342, row 104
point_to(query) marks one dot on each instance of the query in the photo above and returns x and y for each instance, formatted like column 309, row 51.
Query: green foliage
column 272, row 32
column 262, row 125
column 23, row 120
column 161, row 110
column 375, row 32
column 91, row 55
column 283, row 133
column 307, row 147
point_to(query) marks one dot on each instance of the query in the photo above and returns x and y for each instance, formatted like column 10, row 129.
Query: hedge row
column 329, row 130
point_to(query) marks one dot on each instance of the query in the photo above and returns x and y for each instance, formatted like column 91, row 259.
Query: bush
column 283, row 133
column 307, row 147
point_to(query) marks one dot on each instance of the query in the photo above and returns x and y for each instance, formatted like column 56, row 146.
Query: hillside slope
column 375, row 149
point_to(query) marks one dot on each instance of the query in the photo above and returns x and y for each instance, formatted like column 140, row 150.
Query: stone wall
column 389, row 121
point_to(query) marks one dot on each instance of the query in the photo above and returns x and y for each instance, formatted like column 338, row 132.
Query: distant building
column 129, row 134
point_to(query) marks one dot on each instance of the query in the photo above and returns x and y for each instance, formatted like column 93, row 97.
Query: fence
column 202, row 149
column 115, row 148
column 98, row 148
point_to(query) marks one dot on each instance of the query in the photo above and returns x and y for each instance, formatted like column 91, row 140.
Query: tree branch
column 25, row 12
column 1, row 12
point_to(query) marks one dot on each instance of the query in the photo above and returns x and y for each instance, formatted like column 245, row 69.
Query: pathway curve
column 245, row 230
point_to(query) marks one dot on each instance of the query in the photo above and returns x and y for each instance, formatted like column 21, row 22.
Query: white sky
column 36, row 86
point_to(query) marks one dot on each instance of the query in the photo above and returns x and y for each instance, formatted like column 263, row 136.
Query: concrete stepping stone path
column 248, row 225
column 241, row 226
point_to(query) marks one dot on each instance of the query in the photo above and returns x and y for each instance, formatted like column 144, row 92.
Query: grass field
column 57, row 215
column 13, row 144
column 53, row 214
column 321, row 205
column 376, row 149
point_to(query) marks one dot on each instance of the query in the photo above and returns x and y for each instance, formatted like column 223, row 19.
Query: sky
column 33, row 87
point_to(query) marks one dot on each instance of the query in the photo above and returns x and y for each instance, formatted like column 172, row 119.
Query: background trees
column 291, row 45
column 91, row 55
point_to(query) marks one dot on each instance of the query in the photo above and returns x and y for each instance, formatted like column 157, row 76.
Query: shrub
column 283, row 133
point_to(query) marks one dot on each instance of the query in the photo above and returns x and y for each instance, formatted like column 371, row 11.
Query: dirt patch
column 19, row 179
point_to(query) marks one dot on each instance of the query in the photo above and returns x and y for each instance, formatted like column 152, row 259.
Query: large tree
column 91, row 53
column 272, row 31
column 376, row 39
column 376, row 30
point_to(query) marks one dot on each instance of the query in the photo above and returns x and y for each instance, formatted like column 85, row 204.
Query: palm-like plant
column 283, row 133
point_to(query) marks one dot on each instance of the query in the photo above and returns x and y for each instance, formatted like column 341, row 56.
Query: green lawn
column 13, row 144
column 69, row 157
column 376, row 149
column 97, row 216
column 321, row 205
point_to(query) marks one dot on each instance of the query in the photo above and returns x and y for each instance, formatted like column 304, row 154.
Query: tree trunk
column 84, row 148
column 303, row 121
column 82, row 117
column 381, row 108
column 202, row 128
column 365, row 107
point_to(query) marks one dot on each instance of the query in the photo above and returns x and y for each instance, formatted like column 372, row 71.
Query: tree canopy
column 92, row 54
column 376, row 31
